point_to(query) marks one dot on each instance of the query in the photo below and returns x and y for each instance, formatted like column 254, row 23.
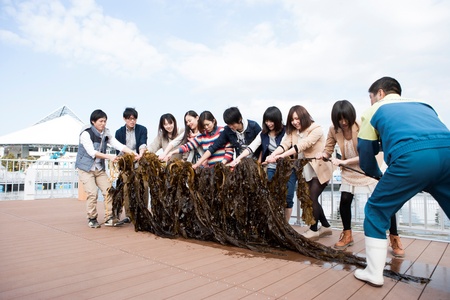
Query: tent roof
column 59, row 113
column 62, row 127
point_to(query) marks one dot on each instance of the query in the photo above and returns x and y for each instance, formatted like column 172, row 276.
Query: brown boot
column 345, row 240
column 396, row 244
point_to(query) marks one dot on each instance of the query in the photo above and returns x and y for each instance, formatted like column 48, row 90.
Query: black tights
column 315, row 189
column 345, row 208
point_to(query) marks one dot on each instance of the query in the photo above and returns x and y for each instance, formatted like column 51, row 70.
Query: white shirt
column 85, row 140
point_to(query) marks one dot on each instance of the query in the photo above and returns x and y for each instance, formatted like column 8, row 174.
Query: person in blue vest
column 90, row 163
column 416, row 147
column 269, row 139
column 134, row 136
column 239, row 132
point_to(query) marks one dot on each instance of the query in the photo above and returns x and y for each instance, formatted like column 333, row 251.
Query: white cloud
column 336, row 40
column 338, row 49
column 81, row 33
column 12, row 38
column 186, row 47
column 262, row 33
column 252, row 53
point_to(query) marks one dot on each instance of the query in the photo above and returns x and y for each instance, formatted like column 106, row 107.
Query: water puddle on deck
column 273, row 254
column 440, row 276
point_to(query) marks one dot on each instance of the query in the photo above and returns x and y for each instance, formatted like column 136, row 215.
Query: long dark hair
column 274, row 115
column 187, row 129
column 343, row 109
column 170, row 119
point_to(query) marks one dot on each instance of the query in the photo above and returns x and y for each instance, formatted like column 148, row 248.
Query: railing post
column 298, row 222
column 425, row 218
column 30, row 184
column 332, row 196
column 72, row 180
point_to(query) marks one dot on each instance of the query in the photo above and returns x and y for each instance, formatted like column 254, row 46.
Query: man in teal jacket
column 416, row 146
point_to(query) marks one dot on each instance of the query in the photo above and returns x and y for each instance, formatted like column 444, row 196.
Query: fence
column 37, row 179
column 22, row 179
column 421, row 216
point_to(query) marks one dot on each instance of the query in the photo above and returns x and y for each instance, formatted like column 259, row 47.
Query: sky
column 178, row 55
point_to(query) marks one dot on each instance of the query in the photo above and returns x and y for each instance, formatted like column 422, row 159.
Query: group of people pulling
column 414, row 143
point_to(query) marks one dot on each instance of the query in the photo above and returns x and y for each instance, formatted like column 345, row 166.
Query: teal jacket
column 397, row 126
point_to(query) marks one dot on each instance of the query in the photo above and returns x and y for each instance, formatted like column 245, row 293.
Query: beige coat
column 312, row 143
column 160, row 143
column 338, row 138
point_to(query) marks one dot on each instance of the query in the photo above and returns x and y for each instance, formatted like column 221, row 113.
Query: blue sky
column 173, row 56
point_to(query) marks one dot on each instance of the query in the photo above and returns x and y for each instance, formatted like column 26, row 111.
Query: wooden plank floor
column 47, row 251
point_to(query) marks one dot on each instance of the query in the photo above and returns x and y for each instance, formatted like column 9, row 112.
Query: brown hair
column 305, row 118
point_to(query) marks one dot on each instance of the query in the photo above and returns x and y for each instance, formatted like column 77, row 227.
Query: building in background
column 58, row 130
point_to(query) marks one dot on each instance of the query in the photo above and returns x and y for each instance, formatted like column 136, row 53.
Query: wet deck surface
column 48, row 251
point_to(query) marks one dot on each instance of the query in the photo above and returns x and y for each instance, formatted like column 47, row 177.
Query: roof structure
column 62, row 127
column 63, row 111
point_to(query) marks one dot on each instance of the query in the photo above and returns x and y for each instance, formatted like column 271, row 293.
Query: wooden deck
column 47, row 251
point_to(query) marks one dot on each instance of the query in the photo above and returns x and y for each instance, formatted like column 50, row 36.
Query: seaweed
column 238, row 207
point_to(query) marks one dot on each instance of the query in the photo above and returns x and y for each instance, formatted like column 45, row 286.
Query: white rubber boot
column 376, row 259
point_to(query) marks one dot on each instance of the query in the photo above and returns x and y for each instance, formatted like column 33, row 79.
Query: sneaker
column 93, row 223
column 126, row 220
column 112, row 222
column 311, row 235
column 324, row 231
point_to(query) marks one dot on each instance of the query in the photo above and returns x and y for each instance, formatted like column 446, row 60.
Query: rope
column 345, row 167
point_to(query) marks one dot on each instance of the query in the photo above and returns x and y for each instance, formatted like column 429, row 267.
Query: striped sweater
column 206, row 139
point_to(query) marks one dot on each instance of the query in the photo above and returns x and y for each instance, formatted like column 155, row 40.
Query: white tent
column 64, row 130
column 61, row 127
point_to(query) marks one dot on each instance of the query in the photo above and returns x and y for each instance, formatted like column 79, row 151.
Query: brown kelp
column 237, row 207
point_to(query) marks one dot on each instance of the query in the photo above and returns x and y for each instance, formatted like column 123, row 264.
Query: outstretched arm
column 202, row 159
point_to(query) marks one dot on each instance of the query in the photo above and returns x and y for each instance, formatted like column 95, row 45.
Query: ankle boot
column 376, row 259
column 345, row 240
column 396, row 244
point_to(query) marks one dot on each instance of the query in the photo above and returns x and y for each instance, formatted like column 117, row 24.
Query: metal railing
column 421, row 216
column 37, row 179
column 22, row 179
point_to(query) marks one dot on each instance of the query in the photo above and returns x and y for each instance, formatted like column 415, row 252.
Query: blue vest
column 84, row 161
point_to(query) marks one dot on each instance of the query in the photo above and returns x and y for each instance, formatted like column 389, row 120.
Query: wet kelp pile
column 237, row 207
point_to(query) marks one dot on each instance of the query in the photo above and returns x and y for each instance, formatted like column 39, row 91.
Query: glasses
column 131, row 119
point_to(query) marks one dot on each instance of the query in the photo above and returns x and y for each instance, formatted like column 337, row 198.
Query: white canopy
column 60, row 130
